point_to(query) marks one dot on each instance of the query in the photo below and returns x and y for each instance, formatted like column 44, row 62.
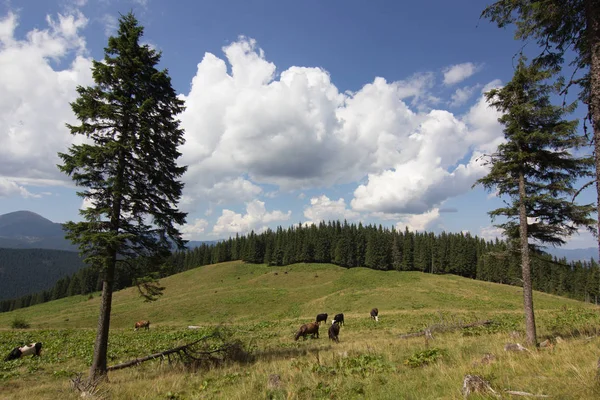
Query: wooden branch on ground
column 444, row 328
column 518, row 393
column 157, row 355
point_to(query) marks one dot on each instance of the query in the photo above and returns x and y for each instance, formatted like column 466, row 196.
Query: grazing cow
column 321, row 317
column 312, row 328
column 374, row 314
column 34, row 349
column 142, row 324
column 334, row 331
column 339, row 318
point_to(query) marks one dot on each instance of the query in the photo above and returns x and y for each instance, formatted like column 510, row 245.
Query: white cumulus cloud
column 491, row 233
column 296, row 130
column 323, row 209
column 256, row 218
column 459, row 72
column 462, row 95
column 418, row 222
column 442, row 162
column 34, row 105
column 9, row 188
column 194, row 229
column 248, row 124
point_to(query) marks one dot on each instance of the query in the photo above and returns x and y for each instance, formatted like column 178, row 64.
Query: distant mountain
column 197, row 243
column 575, row 254
column 28, row 230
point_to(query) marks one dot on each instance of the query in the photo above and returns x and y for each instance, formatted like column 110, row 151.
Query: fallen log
column 138, row 361
column 444, row 328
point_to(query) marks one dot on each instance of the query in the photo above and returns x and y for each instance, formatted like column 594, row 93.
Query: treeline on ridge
column 351, row 245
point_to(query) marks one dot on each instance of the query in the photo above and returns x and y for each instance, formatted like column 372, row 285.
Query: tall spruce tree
column 536, row 170
column 127, row 166
column 567, row 31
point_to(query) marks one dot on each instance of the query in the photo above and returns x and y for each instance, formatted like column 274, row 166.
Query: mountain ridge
column 28, row 230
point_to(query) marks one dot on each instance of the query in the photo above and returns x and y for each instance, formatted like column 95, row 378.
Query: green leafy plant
column 361, row 365
column 425, row 357
column 575, row 322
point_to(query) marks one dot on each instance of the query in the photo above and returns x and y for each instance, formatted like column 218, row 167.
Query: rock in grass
column 274, row 381
column 475, row 384
column 558, row 340
column 514, row 347
column 487, row 358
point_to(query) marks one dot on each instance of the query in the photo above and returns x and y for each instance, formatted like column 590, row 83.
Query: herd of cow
column 312, row 328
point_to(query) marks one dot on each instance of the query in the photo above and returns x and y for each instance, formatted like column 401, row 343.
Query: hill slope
column 243, row 293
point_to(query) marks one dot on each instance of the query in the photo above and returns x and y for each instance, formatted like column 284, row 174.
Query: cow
column 339, row 318
column 312, row 328
column 374, row 314
column 321, row 317
column 34, row 349
column 142, row 324
column 334, row 331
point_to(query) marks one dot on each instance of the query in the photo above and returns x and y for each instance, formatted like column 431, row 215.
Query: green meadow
column 262, row 307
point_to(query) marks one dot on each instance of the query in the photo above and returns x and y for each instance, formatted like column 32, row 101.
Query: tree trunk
column 99, row 363
column 526, row 266
column 592, row 13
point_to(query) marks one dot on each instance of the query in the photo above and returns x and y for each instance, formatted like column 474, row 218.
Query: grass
column 263, row 306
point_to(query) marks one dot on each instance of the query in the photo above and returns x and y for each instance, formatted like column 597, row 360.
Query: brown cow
column 142, row 324
column 312, row 328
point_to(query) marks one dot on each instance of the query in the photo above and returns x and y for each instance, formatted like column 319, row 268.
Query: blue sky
column 296, row 111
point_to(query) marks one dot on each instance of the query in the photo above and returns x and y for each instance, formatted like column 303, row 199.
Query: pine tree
column 127, row 166
column 567, row 32
column 396, row 251
column 408, row 246
column 536, row 170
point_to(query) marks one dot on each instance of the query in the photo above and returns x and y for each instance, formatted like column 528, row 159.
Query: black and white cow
column 34, row 349
column 334, row 331
column 321, row 317
column 339, row 318
column 374, row 314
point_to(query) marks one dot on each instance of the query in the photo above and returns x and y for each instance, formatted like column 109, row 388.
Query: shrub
column 19, row 323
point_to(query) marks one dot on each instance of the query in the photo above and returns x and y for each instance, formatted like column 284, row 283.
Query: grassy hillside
column 235, row 292
column 263, row 306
